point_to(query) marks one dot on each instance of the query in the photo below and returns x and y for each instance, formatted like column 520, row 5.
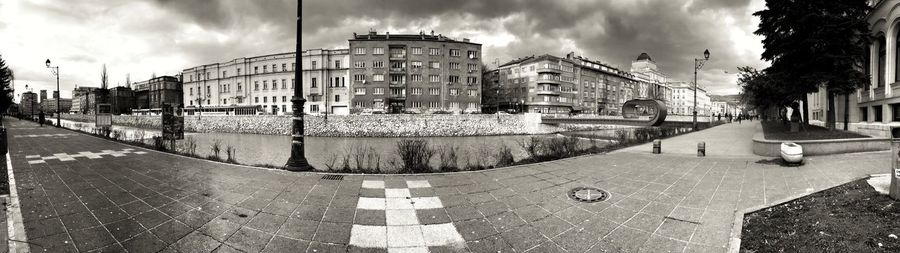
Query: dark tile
column 267, row 222
column 428, row 216
column 577, row 239
column 523, row 238
column 531, row 213
column 196, row 242
column 79, row 221
column 676, row 229
column 239, row 215
column 574, row 215
column 475, row 229
column 460, row 213
column 92, row 238
column 136, row 207
column 551, row 226
column 309, row 212
column 144, row 242
column 157, row 200
column 195, row 218
column 299, row 229
column 125, row 229
column 249, row 240
column 375, row 217
column 491, row 207
column 280, row 207
column 171, row 231
column 339, row 214
column 663, row 244
column 174, row 209
column 505, row 221
column 151, row 219
column 330, row 232
column 110, row 214
column 282, row 244
column 318, row 247
column 54, row 243
column 45, row 227
column 491, row 244
column 219, row 229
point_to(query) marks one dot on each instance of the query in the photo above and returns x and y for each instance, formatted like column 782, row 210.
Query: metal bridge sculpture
column 636, row 112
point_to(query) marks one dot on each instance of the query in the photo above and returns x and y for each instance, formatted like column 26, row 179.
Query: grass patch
column 775, row 130
column 848, row 218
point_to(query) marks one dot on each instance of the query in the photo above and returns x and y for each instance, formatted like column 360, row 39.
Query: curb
column 16, row 228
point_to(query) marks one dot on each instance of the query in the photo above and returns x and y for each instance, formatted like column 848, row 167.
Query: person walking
column 41, row 118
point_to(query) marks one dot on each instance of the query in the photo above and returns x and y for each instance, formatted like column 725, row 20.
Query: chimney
column 465, row 39
column 387, row 35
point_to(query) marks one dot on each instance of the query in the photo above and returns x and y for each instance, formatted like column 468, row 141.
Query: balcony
column 398, row 57
column 548, row 92
column 548, row 70
column 397, row 83
column 550, row 81
column 398, row 70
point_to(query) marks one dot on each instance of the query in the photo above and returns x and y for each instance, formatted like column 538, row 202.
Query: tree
column 763, row 92
column 815, row 43
column 6, row 91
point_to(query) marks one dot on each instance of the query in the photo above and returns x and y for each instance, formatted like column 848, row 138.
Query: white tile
column 370, row 203
column 417, row 184
column 408, row 250
column 427, row 203
column 368, row 236
column 117, row 154
column 398, row 203
column 32, row 156
column 405, row 236
column 36, row 162
column 373, row 184
column 396, row 193
column 140, row 152
column 441, row 234
column 401, row 217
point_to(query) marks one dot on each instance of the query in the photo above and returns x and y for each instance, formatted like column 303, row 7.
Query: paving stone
column 551, row 226
column 339, row 214
column 299, row 229
column 54, row 243
column 171, row 231
column 662, row 244
column 196, row 242
column 309, row 212
column 125, row 229
column 505, row 221
column 523, row 238
column 371, row 217
column 330, row 232
column 92, row 238
column 249, row 240
column 577, row 239
column 45, row 227
column 144, row 242
column 460, row 213
column 475, row 229
column 492, row 244
column 151, row 219
column 79, row 221
column 267, row 222
column 282, row 244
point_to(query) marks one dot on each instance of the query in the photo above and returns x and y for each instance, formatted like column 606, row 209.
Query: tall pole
column 297, row 161
column 695, row 93
column 58, row 96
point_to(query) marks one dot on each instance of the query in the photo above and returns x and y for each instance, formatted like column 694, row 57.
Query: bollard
column 657, row 146
column 701, row 149
column 894, row 190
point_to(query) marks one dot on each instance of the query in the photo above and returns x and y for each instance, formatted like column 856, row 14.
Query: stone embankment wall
column 378, row 125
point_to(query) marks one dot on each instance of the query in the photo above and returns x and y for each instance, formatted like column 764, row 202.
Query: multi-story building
column 683, row 99
column 49, row 105
column 80, row 99
column 56, row 94
column 265, row 84
column 152, row 93
column 121, row 100
column 43, row 95
column 415, row 72
column 29, row 103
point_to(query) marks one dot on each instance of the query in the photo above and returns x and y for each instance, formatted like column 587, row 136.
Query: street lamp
column 297, row 161
column 55, row 71
column 698, row 63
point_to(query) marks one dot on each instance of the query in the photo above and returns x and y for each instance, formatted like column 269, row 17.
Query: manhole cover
column 333, row 177
column 588, row 194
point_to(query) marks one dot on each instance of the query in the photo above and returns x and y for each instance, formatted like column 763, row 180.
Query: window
column 359, row 50
column 293, row 65
column 454, row 92
column 416, row 104
column 435, row 64
column 434, row 51
column 274, row 84
column 265, row 99
column 256, row 99
column 255, row 85
column 473, row 93
column 377, row 50
column 313, row 66
column 224, row 101
column 415, row 78
column 239, row 87
column 224, row 74
column 266, row 67
column 208, row 90
column 434, row 105
column 359, row 91
column 265, row 85
column 454, row 105
column 284, row 83
column 434, row 78
column 454, row 79
column 454, row 52
column 274, row 68
column 379, row 91
column 337, row 64
column 417, row 50
column 378, row 77
column 416, row 64
column 473, row 54
column 472, row 106
column 283, row 98
column 378, row 64
column 256, row 70
column 292, row 83
column 274, row 99
column 471, row 80
column 398, row 79
column 284, row 67
column 416, row 91
column 313, row 84
column 434, row 91
column 359, row 77
column 192, row 91
column 359, row 64
column 454, row 65
column 474, row 67
column 337, row 82
column 337, row 98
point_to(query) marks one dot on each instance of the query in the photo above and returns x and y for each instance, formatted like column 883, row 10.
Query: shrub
column 117, row 134
column 329, row 163
column 532, row 146
column 159, row 143
column 448, row 157
column 216, row 148
column 622, row 136
column 190, row 146
column 230, row 153
column 504, row 157
column 139, row 136
column 415, row 155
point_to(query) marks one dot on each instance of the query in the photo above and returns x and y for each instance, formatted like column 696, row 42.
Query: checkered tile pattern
column 64, row 157
column 44, row 135
column 403, row 231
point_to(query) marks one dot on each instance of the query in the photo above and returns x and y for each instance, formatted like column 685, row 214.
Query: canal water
column 258, row 149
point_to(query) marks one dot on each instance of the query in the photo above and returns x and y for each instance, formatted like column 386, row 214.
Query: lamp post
column 55, row 71
column 698, row 63
column 297, row 161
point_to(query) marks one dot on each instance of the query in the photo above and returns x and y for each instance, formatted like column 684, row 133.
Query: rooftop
column 372, row 35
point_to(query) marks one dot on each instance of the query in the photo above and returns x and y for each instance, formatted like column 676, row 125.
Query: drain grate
column 333, row 177
column 588, row 194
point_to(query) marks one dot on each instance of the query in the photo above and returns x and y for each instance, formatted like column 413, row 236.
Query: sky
column 140, row 38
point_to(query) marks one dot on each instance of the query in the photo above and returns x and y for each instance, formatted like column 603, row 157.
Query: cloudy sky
column 143, row 37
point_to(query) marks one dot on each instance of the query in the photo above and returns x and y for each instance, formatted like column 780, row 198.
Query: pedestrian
column 41, row 118
column 740, row 117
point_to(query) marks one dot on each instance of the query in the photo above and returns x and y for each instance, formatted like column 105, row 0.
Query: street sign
column 104, row 115
column 172, row 122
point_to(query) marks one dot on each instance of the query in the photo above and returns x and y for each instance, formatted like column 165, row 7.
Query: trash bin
column 895, row 163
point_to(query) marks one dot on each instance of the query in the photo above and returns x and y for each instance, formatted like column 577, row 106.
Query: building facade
column 80, row 102
column 121, row 100
column 49, row 105
column 29, row 103
column 415, row 73
column 265, row 84
column 683, row 99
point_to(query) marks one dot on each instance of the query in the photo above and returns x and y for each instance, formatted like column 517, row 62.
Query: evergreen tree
column 6, row 91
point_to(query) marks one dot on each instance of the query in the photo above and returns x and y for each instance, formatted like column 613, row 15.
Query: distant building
column 30, row 105
column 415, row 72
column 121, row 100
column 80, row 101
column 683, row 100
column 152, row 93
column 49, row 105
column 43, row 95
column 56, row 94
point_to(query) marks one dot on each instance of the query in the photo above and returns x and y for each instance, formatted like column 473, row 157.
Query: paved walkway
column 729, row 140
column 81, row 193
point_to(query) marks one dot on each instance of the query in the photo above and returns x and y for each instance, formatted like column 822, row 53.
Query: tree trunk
column 846, row 111
column 830, row 113
column 804, row 118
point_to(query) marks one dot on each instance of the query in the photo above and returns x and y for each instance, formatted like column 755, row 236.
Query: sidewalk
column 79, row 193
column 729, row 140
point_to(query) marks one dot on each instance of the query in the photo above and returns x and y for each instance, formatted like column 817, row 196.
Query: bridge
column 637, row 112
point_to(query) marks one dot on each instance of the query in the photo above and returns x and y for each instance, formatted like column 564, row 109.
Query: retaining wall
column 772, row 148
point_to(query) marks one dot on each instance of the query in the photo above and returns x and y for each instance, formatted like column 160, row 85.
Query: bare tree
column 104, row 79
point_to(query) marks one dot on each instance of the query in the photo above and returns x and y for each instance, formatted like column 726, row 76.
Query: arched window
column 897, row 56
column 867, row 65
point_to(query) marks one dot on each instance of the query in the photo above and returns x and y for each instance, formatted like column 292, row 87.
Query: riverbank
column 384, row 125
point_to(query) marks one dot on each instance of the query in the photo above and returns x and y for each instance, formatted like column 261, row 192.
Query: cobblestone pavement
column 159, row 202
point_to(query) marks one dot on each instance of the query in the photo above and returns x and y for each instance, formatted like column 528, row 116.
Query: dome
column 644, row 56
